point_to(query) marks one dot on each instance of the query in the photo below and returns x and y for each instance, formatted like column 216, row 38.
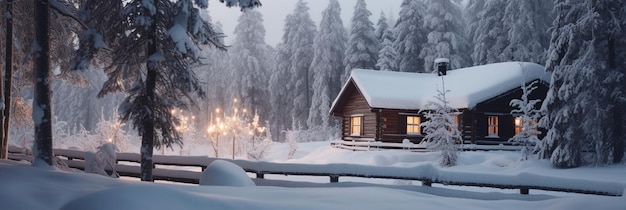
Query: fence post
column 524, row 191
column 260, row 175
column 334, row 179
column 427, row 183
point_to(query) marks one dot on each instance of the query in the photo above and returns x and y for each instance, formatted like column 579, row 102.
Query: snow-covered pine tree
column 294, row 52
column 159, row 75
column 528, row 114
column 301, row 47
column 446, row 35
column 441, row 130
column 249, row 57
column 363, row 46
column 486, row 30
column 381, row 26
column 584, row 118
column 527, row 22
column 410, row 36
column 327, row 66
column 387, row 56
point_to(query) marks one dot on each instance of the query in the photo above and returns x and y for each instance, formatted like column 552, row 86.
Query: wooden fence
column 128, row 166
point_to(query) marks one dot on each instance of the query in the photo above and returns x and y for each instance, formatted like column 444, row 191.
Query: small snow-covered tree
column 105, row 158
column 441, row 129
column 528, row 114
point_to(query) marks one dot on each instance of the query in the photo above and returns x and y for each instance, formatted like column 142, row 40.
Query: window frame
column 519, row 128
column 493, row 126
column 413, row 125
column 353, row 125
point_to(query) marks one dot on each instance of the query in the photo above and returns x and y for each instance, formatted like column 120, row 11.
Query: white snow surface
column 224, row 173
column 468, row 86
column 27, row 187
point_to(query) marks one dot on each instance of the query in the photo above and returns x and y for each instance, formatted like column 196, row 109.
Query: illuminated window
column 457, row 121
column 413, row 125
column 519, row 125
column 356, row 125
column 492, row 122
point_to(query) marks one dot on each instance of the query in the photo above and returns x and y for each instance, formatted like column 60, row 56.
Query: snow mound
column 224, row 173
column 133, row 197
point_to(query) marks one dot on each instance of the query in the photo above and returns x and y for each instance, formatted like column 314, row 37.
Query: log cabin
column 388, row 106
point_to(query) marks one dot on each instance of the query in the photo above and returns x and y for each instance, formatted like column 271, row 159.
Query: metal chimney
column 442, row 65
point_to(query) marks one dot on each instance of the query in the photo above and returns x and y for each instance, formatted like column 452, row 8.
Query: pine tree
column 584, row 118
column 301, row 77
column 249, row 57
column 294, row 53
column 363, row 46
column 387, row 56
column 155, row 78
column 327, row 65
column 446, row 35
column 527, row 111
column 410, row 36
column 487, row 30
column 526, row 20
column 381, row 27
column 441, row 130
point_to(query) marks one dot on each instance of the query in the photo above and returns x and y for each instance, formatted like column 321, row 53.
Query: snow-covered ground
column 26, row 187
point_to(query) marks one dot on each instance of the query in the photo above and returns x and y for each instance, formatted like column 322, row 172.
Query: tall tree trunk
column 8, row 75
column 147, row 137
column 41, row 104
column 4, row 150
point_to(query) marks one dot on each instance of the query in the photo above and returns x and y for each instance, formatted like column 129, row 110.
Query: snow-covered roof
column 468, row 86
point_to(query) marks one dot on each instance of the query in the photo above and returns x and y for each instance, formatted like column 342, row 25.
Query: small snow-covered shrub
column 259, row 149
column 318, row 133
column 224, row 173
column 104, row 159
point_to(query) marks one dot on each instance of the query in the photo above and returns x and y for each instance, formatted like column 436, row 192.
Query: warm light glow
column 109, row 140
column 413, row 125
column 217, row 110
column 492, row 122
column 235, row 100
column 245, row 110
column 355, row 126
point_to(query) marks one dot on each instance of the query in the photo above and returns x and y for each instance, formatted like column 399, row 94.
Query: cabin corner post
column 379, row 124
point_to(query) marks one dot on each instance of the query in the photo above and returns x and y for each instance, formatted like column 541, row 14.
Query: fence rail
column 427, row 174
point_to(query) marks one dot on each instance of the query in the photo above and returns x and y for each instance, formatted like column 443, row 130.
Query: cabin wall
column 394, row 126
column 500, row 106
column 357, row 105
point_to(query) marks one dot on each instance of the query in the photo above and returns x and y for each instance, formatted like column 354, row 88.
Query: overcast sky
column 275, row 11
